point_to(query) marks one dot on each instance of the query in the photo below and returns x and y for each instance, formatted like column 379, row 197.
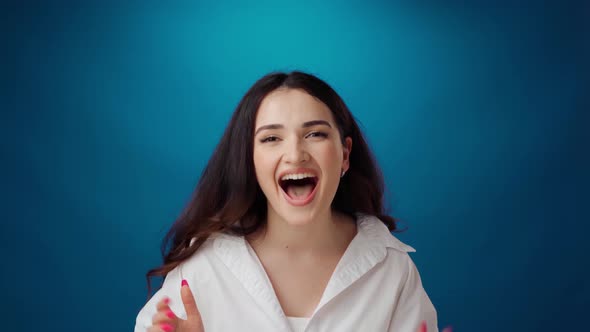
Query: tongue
column 299, row 192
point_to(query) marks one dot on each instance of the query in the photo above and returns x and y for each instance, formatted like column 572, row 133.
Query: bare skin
column 300, row 275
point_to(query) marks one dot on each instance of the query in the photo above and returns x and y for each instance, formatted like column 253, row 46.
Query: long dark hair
column 228, row 190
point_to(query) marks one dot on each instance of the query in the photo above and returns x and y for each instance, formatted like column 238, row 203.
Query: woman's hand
column 166, row 321
column 423, row 328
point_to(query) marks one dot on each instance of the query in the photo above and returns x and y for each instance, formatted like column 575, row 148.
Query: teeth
column 297, row 176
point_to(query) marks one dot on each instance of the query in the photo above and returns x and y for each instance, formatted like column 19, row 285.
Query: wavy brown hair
column 228, row 190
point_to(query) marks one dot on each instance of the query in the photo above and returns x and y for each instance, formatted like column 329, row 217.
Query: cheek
column 264, row 165
column 330, row 155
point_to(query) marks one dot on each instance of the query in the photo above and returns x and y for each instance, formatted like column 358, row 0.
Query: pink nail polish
column 170, row 314
column 184, row 283
column 166, row 327
column 166, row 300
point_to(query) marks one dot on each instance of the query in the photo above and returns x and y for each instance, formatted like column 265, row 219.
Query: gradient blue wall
column 476, row 113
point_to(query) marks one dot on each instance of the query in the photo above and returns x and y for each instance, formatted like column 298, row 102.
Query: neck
column 328, row 232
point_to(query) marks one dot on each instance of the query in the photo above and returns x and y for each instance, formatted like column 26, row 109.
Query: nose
column 295, row 152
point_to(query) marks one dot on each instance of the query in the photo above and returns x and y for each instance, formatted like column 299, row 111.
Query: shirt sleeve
column 171, row 289
column 413, row 305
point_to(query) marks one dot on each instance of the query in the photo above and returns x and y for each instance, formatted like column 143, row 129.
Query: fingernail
column 166, row 300
column 184, row 283
column 170, row 314
column 166, row 327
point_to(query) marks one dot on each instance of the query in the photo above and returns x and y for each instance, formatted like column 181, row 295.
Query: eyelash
column 318, row 133
column 269, row 139
column 312, row 134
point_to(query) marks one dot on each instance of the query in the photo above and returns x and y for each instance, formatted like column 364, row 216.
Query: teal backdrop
column 477, row 112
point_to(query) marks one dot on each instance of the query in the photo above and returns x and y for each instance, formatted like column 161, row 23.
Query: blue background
column 476, row 112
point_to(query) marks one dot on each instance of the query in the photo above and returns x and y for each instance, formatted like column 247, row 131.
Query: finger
column 161, row 328
column 188, row 300
column 448, row 329
column 163, row 304
column 164, row 316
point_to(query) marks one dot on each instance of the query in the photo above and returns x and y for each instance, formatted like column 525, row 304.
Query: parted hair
column 228, row 190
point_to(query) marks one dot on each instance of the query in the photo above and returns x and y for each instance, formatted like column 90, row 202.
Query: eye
column 269, row 139
column 319, row 134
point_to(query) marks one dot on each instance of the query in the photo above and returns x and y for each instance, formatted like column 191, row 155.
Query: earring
column 342, row 173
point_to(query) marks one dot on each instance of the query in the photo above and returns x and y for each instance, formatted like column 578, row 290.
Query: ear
column 346, row 148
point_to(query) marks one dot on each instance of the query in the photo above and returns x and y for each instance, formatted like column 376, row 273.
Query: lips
column 285, row 184
column 299, row 200
column 299, row 186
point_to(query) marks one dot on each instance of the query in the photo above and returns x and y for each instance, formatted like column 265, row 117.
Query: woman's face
column 298, row 155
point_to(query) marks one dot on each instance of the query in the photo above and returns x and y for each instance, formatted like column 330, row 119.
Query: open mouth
column 299, row 190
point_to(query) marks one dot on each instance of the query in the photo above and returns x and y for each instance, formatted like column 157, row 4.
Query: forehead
column 291, row 106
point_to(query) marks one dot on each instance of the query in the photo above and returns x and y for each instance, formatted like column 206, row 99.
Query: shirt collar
column 378, row 235
column 367, row 249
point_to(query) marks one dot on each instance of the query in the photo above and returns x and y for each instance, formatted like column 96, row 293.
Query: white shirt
column 297, row 324
column 375, row 287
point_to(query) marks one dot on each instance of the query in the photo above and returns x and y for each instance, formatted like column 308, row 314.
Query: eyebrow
column 304, row 125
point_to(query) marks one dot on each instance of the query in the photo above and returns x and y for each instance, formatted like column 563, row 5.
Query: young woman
column 286, row 230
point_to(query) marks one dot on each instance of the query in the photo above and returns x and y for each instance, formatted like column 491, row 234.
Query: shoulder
column 203, row 261
column 378, row 243
column 375, row 231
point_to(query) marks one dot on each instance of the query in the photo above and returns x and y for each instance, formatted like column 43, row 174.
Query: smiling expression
column 298, row 155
